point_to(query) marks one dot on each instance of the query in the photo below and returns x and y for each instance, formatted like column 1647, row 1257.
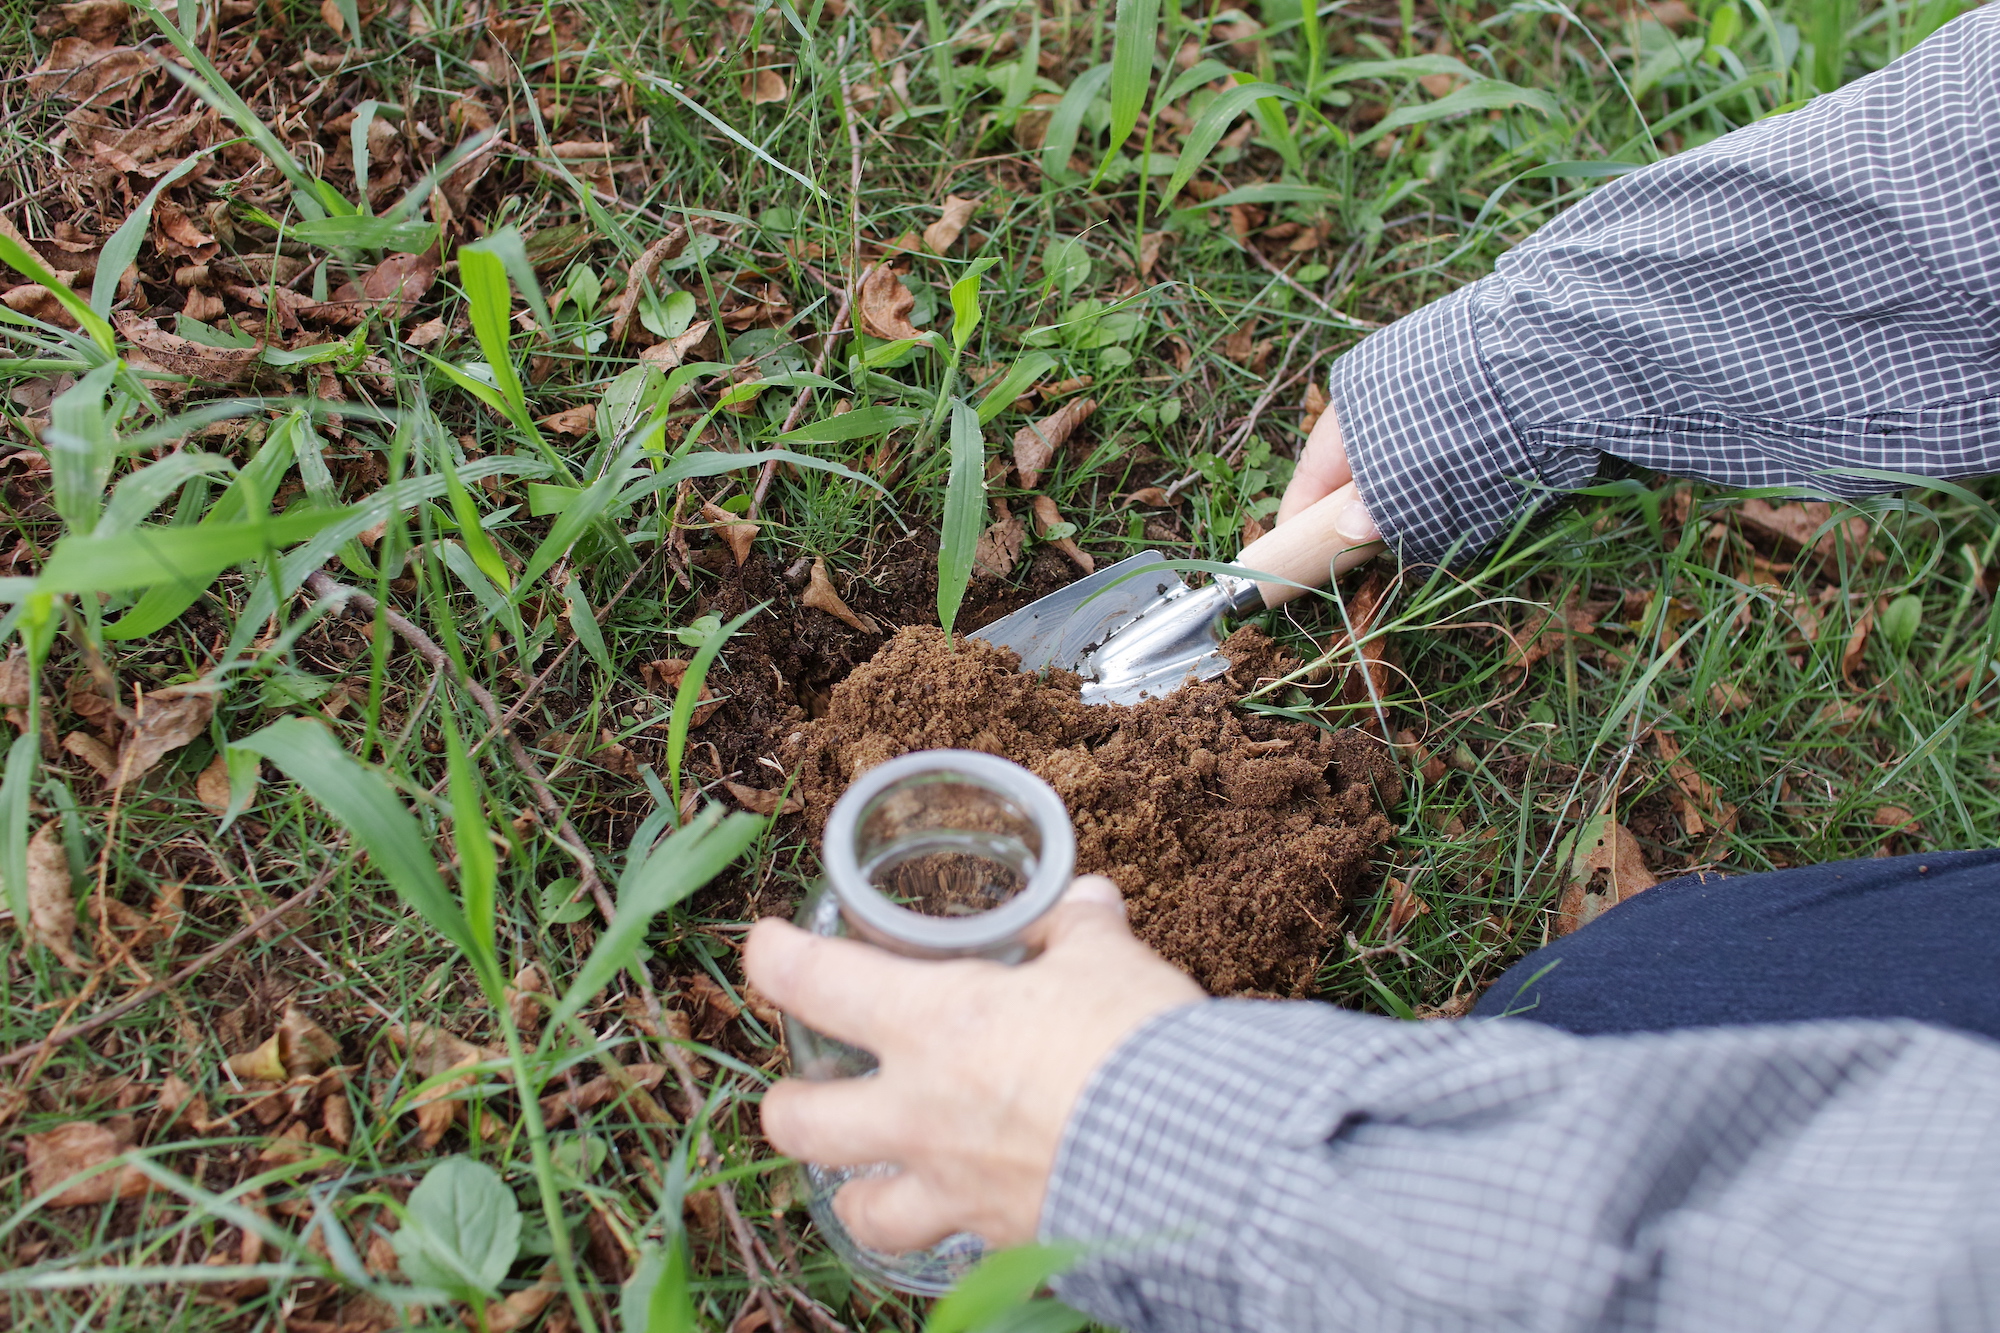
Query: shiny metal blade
column 1063, row 628
column 1170, row 642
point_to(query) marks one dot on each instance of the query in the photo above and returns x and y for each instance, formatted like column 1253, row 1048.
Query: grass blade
column 688, row 696
column 859, row 424
column 1067, row 119
column 1136, row 35
column 366, row 806
column 30, row 266
column 1004, row 391
column 1485, row 95
column 583, row 620
column 1212, row 124
column 483, row 275
column 964, row 507
column 123, row 248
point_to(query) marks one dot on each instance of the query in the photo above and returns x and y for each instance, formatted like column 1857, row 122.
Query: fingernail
column 1095, row 888
column 1351, row 519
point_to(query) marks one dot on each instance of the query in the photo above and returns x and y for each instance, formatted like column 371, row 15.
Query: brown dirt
column 1235, row 837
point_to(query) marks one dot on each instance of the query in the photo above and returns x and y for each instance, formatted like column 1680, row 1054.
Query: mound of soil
column 1235, row 837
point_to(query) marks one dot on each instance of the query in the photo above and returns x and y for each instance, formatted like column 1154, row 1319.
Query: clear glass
column 936, row 855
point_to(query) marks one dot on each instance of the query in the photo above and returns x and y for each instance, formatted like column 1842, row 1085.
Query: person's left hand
column 981, row 1064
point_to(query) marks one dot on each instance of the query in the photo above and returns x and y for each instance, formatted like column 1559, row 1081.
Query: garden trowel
column 1135, row 631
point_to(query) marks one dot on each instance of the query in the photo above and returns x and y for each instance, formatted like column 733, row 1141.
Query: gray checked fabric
column 1285, row 1167
column 1813, row 292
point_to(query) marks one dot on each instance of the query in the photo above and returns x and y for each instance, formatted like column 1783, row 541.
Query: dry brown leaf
column 1728, row 697
column 765, row 85
column 93, row 752
column 560, row 1106
column 942, row 234
column 1549, row 627
column 527, row 1010
column 433, row 1051
column 1857, row 645
column 391, row 289
column 96, row 20
column 572, row 420
column 1150, row 246
column 338, row 1118
column 673, row 351
column 1036, row 443
column 164, row 720
column 211, row 788
column 1316, row 404
column 51, row 906
column 1698, row 800
column 290, row 1146
column 303, row 1045
column 1253, row 531
column 264, row 1064
column 1796, row 523
column 999, row 547
column 1240, row 344
column 1047, row 516
column 886, row 304
column 820, row 596
column 1153, row 497
column 1404, row 906
column 183, row 356
column 17, row 682
column 625, row 323
column 735, row 530
column 713, row 1007
column 1418, row 758
column 58, row 1154
column 1896, row 817
column 426, row 333
column 1602, row 874
column 668, row 672
column 38, row 302
column 79, row 70
column 175, row 235
column 759, row 802
column 520, row 1308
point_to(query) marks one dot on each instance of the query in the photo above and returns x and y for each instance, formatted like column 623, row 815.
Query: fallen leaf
column 526, row 1010
column 1857, row 645
column 886, row 304
column 338, row 1118
column 58, row 1154
column 38, row 302
column 1253, row 531
column 96, row 20
column 183, row 356
column 942, row 234
column 1797, row 522
column 1728, row 697
column 759, row 802
column 164, row 720
column 17, row 682
column 765, row 85
column 625, row 314
column 668, row 672
column 1036, row 443
column 673, row 351
column 1606, row 869
column 175, row 235
column 391, row 289
column 999, row 547
column 1404, row 906
column 1153, row 497
column 329, row 14
column 1550, row 626
column 93, row 752
column 1047, row 518
column 1316, row 404
column 520, row 1308
column 1896, row 817
column 1239, row 346
column 560, row 1106
column 303, row 1045
column 264, row 1064
column 426, row 333
column 572, row 420
column 714, row 1009
column 1698, row 800
column 79, row 70
column 1420, row 759
column 433, row 1051
column 290, row 1146
column 738, row 533
column 211, row 787
column 820, row 596
column 51, row 906
column 1150, row 246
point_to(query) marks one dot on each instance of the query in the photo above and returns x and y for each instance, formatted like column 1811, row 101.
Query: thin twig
column 1336, row 316
column 1232, row 451
column 145, row 993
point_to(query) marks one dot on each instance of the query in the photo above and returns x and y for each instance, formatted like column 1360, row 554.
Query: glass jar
column 938, row 854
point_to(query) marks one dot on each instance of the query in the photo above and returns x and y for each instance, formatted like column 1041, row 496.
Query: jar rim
column 979, row 932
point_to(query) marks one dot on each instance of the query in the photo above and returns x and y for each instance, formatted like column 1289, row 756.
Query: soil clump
column 1235, row 837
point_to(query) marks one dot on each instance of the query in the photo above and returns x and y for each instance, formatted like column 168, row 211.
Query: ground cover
column 453, row 448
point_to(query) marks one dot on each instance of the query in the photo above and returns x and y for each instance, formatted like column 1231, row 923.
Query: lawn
column 449, row 446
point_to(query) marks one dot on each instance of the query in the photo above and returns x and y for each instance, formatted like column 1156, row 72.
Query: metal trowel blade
column 1128, row 637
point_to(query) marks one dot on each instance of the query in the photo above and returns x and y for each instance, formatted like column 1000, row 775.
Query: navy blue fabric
column 1903, row 937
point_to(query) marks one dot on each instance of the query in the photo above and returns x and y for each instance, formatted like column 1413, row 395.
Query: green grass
column 886, row 112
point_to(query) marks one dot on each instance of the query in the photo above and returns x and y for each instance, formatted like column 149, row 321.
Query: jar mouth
column 1044, row 874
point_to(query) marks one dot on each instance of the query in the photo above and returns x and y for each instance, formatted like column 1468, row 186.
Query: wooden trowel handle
column 1304, row 548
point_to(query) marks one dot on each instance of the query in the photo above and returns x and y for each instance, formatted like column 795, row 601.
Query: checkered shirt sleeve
column 1813, row 292
column 1268, row 1166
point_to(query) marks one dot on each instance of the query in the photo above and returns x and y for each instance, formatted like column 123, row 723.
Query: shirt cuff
column 1435, row 453
column 1170, row 1144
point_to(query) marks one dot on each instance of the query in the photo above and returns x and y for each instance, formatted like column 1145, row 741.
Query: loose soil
column 1235, row 837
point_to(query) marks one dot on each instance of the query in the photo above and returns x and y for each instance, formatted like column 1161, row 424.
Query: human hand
column 1323, row 471
column 981, row 1064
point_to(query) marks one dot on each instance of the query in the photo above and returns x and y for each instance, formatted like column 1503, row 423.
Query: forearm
column 1811, row 295
column 1263, row 1166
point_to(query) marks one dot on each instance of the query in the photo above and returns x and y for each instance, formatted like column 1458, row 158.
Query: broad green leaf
column 1274, row 193
column 363, row 232
column 1900, row 621
column 576, row 516
column 244, row 777
column 22, row 761
column 1212, row 124
column 511, row 248
column 656, row 1299
column 965, row 303
column 964, row 510
column 122, row 249
column 363, row 803
column 1067, row 119
column 583, row 620
column 861, row 423
column 1194, row 76
column 687, row 860
column 687, row 697
column 180, row 558
column 351, row 348
column 1135, row 37
column 895, row 352
column 1043, row 1315
column 478, row 867
column 1066, row 264
column 470, row 531
column 1002, row 393
column 493, row 603
column 1484, row 95
column 628, row 399
column 1004, row 1279
column 484, row 278
column 461, row 1229
column 145, row 490
column 545, row 499
column 83, row 448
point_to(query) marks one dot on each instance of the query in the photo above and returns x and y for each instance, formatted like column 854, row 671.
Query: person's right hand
column 1323, row 471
